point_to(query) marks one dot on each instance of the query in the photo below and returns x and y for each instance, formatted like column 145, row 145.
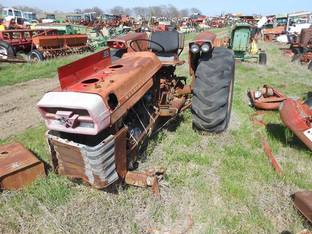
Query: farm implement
column 39, row 44
column 57, row 45
column 103, row 113
column 18, row 41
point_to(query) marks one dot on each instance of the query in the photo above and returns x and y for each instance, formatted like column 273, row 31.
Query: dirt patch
column 18, row 105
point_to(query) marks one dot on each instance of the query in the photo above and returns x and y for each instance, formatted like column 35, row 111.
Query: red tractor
column 103, row 112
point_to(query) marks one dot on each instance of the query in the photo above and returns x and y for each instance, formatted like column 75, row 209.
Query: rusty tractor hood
column 94, row 93
column 297, row 116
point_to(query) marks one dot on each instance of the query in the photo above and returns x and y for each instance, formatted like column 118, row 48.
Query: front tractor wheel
column 35, row 56
column 213, row 91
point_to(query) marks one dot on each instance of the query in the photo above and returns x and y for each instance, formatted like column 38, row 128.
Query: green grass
column 224, row 182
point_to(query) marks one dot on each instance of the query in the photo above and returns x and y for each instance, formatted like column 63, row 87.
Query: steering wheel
column 149, row 41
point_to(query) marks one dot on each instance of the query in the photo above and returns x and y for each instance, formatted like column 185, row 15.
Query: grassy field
column 214, row 183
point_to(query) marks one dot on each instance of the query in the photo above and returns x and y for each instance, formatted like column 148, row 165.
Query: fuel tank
column 94, row 93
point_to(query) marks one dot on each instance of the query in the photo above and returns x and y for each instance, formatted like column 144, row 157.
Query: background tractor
column 103, row 113
column 244, row 44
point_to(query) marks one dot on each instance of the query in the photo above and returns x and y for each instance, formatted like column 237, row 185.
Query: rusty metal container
column 18, row 167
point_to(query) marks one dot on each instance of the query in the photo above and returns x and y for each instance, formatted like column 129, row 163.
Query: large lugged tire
column 213, row 91
column 6, row 50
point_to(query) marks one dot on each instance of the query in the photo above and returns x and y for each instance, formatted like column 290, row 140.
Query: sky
column 208, row 7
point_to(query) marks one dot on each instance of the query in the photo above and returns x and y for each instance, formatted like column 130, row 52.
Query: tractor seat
column 172, row 41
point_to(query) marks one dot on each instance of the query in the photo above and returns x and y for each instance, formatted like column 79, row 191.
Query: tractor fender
column 297, row 117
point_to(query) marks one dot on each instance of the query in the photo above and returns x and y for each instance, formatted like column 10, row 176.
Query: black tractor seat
column 172, row 43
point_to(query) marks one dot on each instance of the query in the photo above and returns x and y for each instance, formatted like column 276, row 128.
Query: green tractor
column 244, row 45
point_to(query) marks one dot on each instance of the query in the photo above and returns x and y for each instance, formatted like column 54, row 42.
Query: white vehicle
column 50, row 18
column 11, row 13
column 30, row 17
column 298, row 21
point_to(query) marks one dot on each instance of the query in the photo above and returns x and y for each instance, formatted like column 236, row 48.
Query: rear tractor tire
column 262, row 58
column 35, row 56
column 213, row 91
column 6, row 50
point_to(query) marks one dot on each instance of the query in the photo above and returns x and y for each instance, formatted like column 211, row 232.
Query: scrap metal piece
column 303, row 202
column 148, row 178
column 18, row 167
column 268, row 152
column 267, row 98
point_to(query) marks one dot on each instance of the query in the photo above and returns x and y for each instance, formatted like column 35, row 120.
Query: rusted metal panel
column 93, row 164
column 267, row 98
column 297, row 116
column 121, row 152
column 83, row 68
column 18, row 166
column 303, row 202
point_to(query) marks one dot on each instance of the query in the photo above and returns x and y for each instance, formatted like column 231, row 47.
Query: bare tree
column 78, row 11
column 118, row 10
column 184, row 12
column 156, row 11
column 173, row 11
column 128, row 11
column 195, row 10
column 142, row 11
column 97, row 10
column 28, row 9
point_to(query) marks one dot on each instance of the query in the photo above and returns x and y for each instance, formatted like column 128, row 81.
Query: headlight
column 195, row 48
column 205, row 47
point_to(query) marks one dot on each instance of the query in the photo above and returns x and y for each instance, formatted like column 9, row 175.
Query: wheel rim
column 3, row 53
column 34, row 57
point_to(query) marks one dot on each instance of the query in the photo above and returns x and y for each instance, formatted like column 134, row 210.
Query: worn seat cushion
column 169, row 40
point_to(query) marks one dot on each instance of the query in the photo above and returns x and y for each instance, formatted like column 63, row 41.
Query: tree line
column 158, row 11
